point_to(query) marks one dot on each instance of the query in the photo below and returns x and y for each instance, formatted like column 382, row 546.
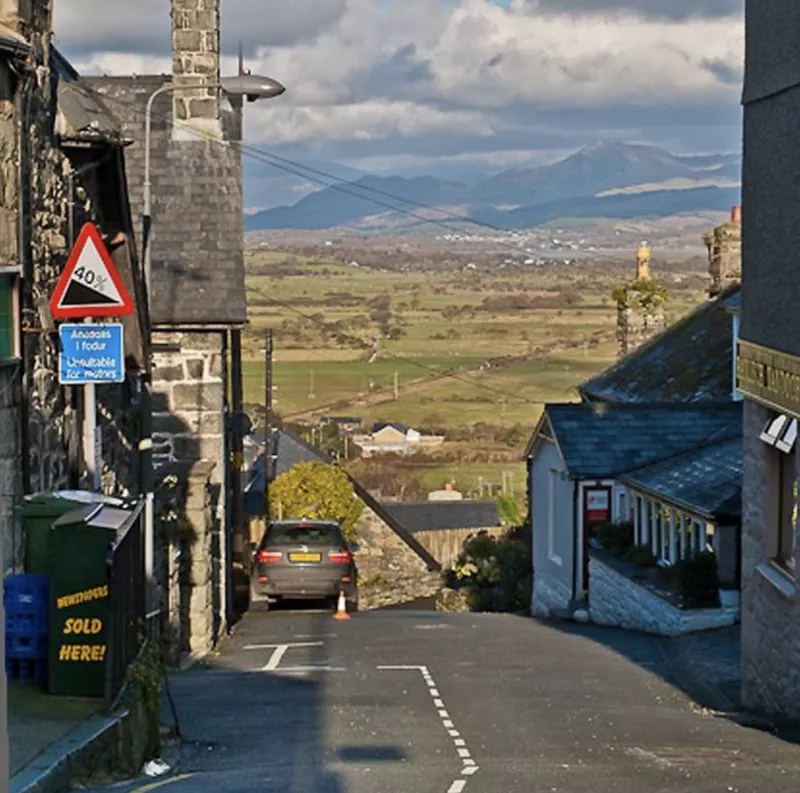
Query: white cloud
column 382, row 80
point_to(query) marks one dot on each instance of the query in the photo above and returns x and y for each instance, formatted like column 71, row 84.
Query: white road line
column 468, row 765
column 275, row 658
column 275, row 646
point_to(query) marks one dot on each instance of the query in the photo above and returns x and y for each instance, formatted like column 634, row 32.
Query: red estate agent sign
column 90, row 285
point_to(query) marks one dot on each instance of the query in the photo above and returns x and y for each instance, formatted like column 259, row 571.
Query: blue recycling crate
column 33, row 646
column 26, row 600
column 26, row 670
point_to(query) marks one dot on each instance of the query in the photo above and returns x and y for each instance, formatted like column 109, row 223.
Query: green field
column 512, row 339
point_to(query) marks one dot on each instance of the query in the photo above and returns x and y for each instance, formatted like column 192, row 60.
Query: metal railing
column 128, row 624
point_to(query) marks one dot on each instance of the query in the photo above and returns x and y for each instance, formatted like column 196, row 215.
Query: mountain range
column 613, row 180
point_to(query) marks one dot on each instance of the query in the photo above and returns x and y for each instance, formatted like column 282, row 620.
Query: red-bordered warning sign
column 90, row 285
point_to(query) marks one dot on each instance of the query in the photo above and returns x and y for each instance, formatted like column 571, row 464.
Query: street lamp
column 252, row 87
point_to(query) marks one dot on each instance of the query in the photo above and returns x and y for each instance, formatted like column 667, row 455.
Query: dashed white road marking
column 468, row 765
column 276, row 646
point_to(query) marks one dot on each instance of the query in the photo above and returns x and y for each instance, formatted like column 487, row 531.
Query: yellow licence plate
column 305, row 557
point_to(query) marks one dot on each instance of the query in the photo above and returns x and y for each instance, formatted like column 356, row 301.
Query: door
column 596, row 512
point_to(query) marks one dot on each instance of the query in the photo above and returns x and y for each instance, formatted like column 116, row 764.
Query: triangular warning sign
column 90, row 285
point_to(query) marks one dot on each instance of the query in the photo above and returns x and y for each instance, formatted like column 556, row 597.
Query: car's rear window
column 329, row 534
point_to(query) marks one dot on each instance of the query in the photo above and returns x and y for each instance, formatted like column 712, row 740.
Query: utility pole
column 480, row 487
column 311, row 384
column 505, row 490
column 268, row 445
column 396, row 386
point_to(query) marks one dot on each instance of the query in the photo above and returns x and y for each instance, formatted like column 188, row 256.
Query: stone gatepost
column 189, row 555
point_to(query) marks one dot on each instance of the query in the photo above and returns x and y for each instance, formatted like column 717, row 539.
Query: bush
column 696, row 579
column 617, row 538
column 642, row 555
column 498, row 573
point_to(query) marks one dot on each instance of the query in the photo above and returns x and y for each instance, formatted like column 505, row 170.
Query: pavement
column 36, row 720
column 405, row 700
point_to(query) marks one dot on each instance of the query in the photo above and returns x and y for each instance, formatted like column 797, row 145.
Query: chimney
column 195, row 61
column 725, row 253
column 643, row 255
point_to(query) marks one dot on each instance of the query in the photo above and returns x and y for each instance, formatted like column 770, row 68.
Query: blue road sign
column 91, row 354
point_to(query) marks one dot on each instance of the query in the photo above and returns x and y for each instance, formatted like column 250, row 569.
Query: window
column 8, row 316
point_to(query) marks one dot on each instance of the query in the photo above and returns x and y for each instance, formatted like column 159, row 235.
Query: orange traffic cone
column 341, row 608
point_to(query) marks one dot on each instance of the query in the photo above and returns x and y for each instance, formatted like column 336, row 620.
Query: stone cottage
column 62, row 165
column 197, row 245
column 394, row 566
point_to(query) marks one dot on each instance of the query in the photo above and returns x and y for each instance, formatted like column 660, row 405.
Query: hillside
column 616, row 180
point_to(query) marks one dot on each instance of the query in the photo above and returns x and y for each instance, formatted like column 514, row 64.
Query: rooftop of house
column 706, row 481
column 289, row 449
column 606, row 440
column 439, row 515
column 690, row 361
column 393, row 424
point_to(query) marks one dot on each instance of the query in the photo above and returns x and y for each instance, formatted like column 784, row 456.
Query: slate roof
column 689, row 362
column 706, row 481
column 81, row 114
column 290, row 450
column 609, row 440
column 440, row 515
column 196, row 234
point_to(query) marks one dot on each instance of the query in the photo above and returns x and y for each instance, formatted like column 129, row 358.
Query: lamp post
column 252, row 87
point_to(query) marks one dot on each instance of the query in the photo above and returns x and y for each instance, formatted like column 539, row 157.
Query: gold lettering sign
column 97, row 593
column 768, row 376
column 93, row 653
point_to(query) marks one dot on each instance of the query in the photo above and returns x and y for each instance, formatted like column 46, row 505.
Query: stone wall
column 770, row 600
column 389, row 571
column 10, row 473
column 187, row 549
column 44, row 202
column 549, row 595
column 617, row 601
column 188, row 422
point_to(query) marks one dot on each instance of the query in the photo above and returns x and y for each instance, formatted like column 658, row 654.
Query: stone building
column 62, row 164
column 640, row 306
column 724, row 245
column 197, row 245
column 768, row 365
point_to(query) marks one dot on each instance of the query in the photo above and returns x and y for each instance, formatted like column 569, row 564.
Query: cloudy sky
column 452, row 87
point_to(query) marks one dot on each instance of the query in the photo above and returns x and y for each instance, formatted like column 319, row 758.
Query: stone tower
column 195, row 61
column 643, row 257
column 640, row 306
column 725, row 253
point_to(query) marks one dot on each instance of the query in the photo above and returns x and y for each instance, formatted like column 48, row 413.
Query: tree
column 316, row 491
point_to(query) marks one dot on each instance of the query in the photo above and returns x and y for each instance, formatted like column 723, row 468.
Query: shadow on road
column 247, row 729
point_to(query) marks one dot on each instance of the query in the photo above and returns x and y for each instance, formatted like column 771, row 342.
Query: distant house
column 395, row 438
column 345, row 423
column 656, row 441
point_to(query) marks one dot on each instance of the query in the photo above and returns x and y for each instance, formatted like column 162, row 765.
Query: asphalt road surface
column 419, row 702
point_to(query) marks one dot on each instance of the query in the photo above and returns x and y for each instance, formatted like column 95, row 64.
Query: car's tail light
column 340, row 557
column 269, row 557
